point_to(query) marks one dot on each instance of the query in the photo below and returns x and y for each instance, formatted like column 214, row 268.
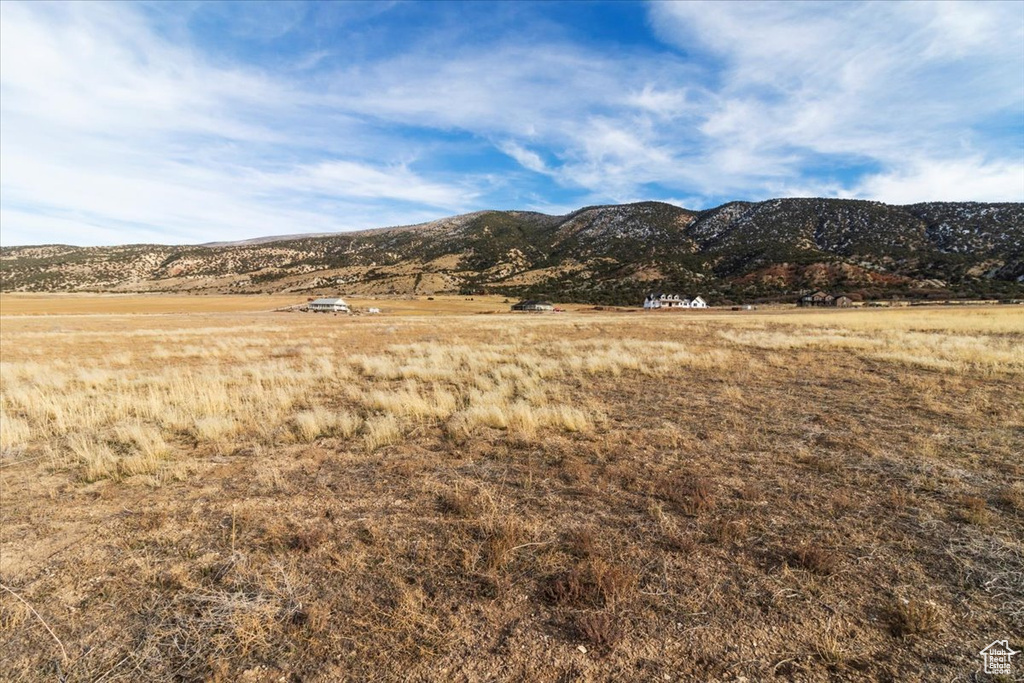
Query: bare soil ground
column 800, row 495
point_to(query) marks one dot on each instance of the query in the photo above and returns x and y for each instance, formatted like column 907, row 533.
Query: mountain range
column 737, row 252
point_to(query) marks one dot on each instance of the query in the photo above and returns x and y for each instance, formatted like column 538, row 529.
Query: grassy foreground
column 581, row 496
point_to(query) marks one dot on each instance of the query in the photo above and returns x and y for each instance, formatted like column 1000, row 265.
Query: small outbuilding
column 328, row 306
column 842, row 301
column 532, row 305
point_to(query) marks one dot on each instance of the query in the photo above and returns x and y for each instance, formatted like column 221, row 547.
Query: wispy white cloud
column 665, row 103
column 902, row 85
column 352, row 179
column 117, row 116
column 526, row 158
column 107, row 124
column 964, row 180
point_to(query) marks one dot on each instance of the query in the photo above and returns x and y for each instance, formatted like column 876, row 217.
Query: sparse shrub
column 750, row 491
column 898, row 498
column 691, row 494
column 499, row 539
column 392, row 591
column 573, row 471
column 821, row 464
column 726, row 531
column 582, row 542
column 914, row 618
column 457, row 503
column 974, row 510
column 602, row 630
column 305, row 540
column 594, row 582
column 831, row 646
column 1012, row 497
column 816, row 559
column 841, row 502
column 677, row 542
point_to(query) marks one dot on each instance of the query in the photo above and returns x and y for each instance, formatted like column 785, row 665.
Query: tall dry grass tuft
column 214, row 429
column 312, row 424
column 146, row 449
column 146, row 439
column 14, row 432
column 410, row 402
column 96, row 457
column 380, row 431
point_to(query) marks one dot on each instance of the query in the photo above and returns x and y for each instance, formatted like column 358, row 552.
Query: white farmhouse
column 673, row 301
column 328, row 306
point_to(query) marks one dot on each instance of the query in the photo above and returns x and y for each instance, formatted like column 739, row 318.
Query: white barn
column 328, row 306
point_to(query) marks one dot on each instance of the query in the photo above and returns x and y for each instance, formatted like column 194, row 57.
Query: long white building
column 328, row 306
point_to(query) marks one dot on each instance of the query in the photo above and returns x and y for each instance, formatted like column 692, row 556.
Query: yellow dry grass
column 18, row 304
column 234, row 495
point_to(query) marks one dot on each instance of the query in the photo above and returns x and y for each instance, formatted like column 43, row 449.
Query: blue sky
column 193, row 122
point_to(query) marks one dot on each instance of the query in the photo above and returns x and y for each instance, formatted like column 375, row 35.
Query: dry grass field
column 131, row 304
column 254, row 496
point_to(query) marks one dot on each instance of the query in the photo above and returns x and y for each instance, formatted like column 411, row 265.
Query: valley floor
column 588, row 496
